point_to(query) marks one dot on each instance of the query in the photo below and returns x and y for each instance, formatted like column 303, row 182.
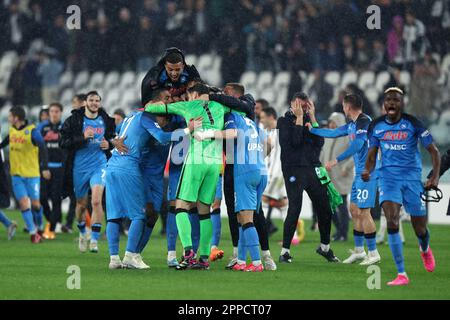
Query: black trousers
column 51, row 191
column 297, row 180
column 258, row 218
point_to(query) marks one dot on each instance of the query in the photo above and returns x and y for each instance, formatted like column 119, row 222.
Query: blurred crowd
column 312, row 36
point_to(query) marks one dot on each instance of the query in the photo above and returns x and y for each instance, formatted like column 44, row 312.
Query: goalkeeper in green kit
column 200, row 172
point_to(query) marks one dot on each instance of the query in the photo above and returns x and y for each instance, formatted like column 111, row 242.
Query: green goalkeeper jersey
column 206, row 151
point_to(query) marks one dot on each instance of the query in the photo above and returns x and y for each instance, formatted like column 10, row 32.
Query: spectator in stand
column 414, row 39
column 395, row 43
column 103, row 39
column 146, row 48
column 424, row 89
column 32, row 81
column 379, row 61
column 58, row 37
column 363, row 55
column 348, row 52
column 15, row 29
column 126, row 45
column 50, row 71
column 321, row 92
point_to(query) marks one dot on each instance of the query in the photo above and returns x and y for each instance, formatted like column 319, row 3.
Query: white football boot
column 115, row 263
column 355, row 256
column 372, row 258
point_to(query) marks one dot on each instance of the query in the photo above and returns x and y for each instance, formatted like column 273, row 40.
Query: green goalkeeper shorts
column 198, row 182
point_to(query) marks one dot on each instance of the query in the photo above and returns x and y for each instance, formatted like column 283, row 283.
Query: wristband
column 186, row 131
column 315, row 125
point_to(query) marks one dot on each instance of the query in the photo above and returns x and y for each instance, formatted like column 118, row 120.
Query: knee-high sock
column 195, row 228
column 82, row 227
column 216, row 227
column 38, row 218
column 29, row 221
column 424, row 241
column 371, row 241
column 145, row 237
column 96, row 230
column 396, row 245
column 4, row 219
column 242, row 249
column 171, row 230
column 113, row 236
column 206, row 229
column 358, row 237
column 184, row 229
column 252, row 241
column 134, row 235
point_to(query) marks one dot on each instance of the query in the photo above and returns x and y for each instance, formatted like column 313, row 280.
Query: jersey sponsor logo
column 255, row 146
column 18, row 140
column 361, row 131
column 395, row 147
column 397, row 136
column 98, row 130
column 51, row 136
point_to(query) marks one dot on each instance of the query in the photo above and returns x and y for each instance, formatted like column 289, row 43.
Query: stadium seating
column 123, row 90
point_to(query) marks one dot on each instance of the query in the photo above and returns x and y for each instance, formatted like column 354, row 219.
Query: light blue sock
column 171, row 231
column 29, row 221
column 371, row 241
column 358, row 237
column 4, row 219
column 82, row 227
column 242, row 249
column 96, row 230
column 146, row 234
column 252, row 241
column 134, row 235
column 217, row 227
column 38, row 218
column 396, row 245
column 195, row 228
column 113, row 236
column 424, row 241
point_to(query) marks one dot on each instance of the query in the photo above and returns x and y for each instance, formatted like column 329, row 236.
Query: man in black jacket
column 234, row 97
column 88, row 136
column 52, row 189
column 172, row 73
column 300, row 152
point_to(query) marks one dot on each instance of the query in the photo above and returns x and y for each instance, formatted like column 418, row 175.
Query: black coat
column 299, row 147
column 72, row 139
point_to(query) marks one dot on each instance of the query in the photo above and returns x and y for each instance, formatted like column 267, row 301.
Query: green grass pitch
column 40, row 272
